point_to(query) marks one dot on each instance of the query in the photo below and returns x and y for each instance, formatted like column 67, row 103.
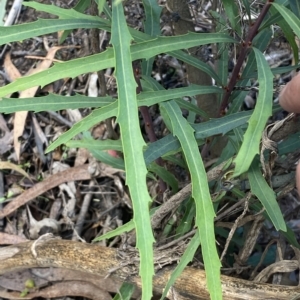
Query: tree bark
column 102, row 261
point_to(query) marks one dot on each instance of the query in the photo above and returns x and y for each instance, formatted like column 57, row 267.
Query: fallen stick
column 97, row 260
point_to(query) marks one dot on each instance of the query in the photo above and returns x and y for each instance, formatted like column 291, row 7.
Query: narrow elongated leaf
column 295, row 7
column 186, row 222
column 85, row 124
column 197, row 63
column 203, row 130
column 125, row 292
column 290, row 18
column 69, row 13
column 151, row 27
column 232, row 14
column 165, row 175
column 154, row 97
column 288, row 33
column 137, row 35
column 81, row 6
column 24, row 31
column 257, row 122
column 71, row 69
column 118, row 231
column 187, row 256
column 52, row 102
column 247, row 8
column 96, row 144
column 103, row 156
column 106, row 59
column 266, row 196
column 192, row 108
column 200, row 192
column 221, row 125
column 162, row 146
column 58, row 102
column 133, row 144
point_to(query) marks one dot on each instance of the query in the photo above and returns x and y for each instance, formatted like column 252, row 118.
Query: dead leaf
column 20, row 117
column 11, row 166
column 10, row 69
column 76, row 173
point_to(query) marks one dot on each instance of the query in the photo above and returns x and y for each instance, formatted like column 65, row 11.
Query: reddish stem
column 246, row 45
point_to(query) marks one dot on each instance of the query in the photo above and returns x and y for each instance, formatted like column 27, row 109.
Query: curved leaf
column 266, row 196
column 290, row 18
column 257, row 122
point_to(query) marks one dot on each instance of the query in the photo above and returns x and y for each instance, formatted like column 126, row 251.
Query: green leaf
column 187, row 256
column 133, row 144
column 100, row 4
column 165, row 175
column 285, row 27
column 191, row 107
column 106, row 59
column 247, row 8
column 197, row 63
column 257, row 122
column 85, row 124
column 154, row 97
column 295, row 7
column 151, row 27
column 125, row 292
column 200, row 192
column 186, row 223
column 52, row 102
column 70, row 69
column 221, row 125
column 146, row 98
column 21, row 32
column 291, row 238
column 103, row 156
column 266, row 196
column 58, row 102
column 161, row 147
column 290, row 18
column 67, row 13
column 289, row 145
column 203, row 130
column 81, row 6
column 96, row 144
column 118, row 231
column 232, row 14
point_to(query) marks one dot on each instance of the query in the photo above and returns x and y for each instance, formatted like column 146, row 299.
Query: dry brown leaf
column 82, row 156
column 11, row 166
column 10, row 69
column 76, row 173
column 20, row 117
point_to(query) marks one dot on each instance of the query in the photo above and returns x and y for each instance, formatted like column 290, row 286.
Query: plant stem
column 246, row 45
